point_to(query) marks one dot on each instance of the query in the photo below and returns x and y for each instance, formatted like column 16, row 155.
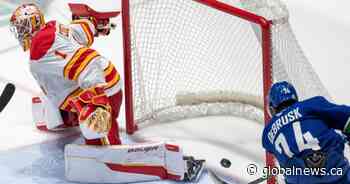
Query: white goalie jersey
column 63, row 64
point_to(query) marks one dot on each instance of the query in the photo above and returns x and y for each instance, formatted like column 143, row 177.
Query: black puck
column 225, row 163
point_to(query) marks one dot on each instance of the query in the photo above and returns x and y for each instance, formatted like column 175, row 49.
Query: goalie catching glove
column 101, row 20
column 93, row 109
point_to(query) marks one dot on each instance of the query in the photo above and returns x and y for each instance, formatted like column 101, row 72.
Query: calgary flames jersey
column 63, row 64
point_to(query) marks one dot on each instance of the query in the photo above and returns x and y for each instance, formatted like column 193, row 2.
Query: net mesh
column 184, row 47
column 289, row 61
column 181, row 47
column 191, row 60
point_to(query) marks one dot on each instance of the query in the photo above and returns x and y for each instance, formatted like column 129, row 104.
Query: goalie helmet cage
column 190, row 58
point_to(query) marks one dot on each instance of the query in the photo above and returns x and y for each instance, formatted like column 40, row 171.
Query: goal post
column 131, row 127
column 191, row 58
column 266, row 45
column 128, row 60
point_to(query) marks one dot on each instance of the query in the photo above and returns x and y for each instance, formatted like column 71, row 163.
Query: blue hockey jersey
column 305, row 126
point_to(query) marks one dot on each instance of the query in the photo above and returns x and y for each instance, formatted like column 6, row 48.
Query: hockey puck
column 225, row 163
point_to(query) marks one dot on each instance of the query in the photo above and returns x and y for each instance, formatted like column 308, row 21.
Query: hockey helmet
column 281, row 92
column 25, row 21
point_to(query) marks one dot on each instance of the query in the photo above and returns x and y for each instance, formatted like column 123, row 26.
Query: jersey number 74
column 304, row 141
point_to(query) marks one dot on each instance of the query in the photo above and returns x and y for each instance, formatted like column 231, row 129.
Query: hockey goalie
column 83, row 88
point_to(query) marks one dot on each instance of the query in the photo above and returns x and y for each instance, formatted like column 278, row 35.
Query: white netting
column 191, row 60
column 289, row 61
column 184, row 46
column 183, row 50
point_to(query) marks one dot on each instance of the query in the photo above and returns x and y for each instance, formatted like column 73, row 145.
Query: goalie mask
column 25, row 21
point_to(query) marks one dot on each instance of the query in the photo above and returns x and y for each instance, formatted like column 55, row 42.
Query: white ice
column 33, row 157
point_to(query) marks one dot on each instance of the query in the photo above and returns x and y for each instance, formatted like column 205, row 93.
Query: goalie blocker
column 129, row 163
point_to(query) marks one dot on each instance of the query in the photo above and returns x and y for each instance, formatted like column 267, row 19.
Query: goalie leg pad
column 45, row 115
column 90, row 134
column 124, row 163
column 116, row 102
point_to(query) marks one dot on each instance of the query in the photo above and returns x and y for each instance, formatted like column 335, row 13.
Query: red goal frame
column 265, row 26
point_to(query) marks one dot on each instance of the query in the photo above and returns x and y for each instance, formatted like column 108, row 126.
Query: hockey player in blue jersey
column 301, row 135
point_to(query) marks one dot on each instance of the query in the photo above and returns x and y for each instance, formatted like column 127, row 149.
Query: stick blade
column 6, row 95
column 223, row 178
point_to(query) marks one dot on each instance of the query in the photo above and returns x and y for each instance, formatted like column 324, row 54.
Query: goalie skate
column 194, row 169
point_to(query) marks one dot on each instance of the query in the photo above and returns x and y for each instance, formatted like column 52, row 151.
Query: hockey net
column 190, row 58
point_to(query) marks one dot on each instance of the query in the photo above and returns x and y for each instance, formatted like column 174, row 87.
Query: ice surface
column 44, row 164
column 32, row 157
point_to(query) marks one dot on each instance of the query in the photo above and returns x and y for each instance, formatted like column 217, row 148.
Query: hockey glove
column 101, row 20
column 93, row 109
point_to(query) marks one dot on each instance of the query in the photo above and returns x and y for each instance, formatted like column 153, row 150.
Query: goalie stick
column 6, row 95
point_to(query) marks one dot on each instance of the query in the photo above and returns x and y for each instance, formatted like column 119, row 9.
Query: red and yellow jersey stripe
column 87, row 30
column 81, row 58
column 65, row 104
column 112, row 76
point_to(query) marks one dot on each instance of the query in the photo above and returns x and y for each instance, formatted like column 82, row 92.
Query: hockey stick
column 226, row 163
column 6, row 95
column 260, row 180
column 225, row 180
